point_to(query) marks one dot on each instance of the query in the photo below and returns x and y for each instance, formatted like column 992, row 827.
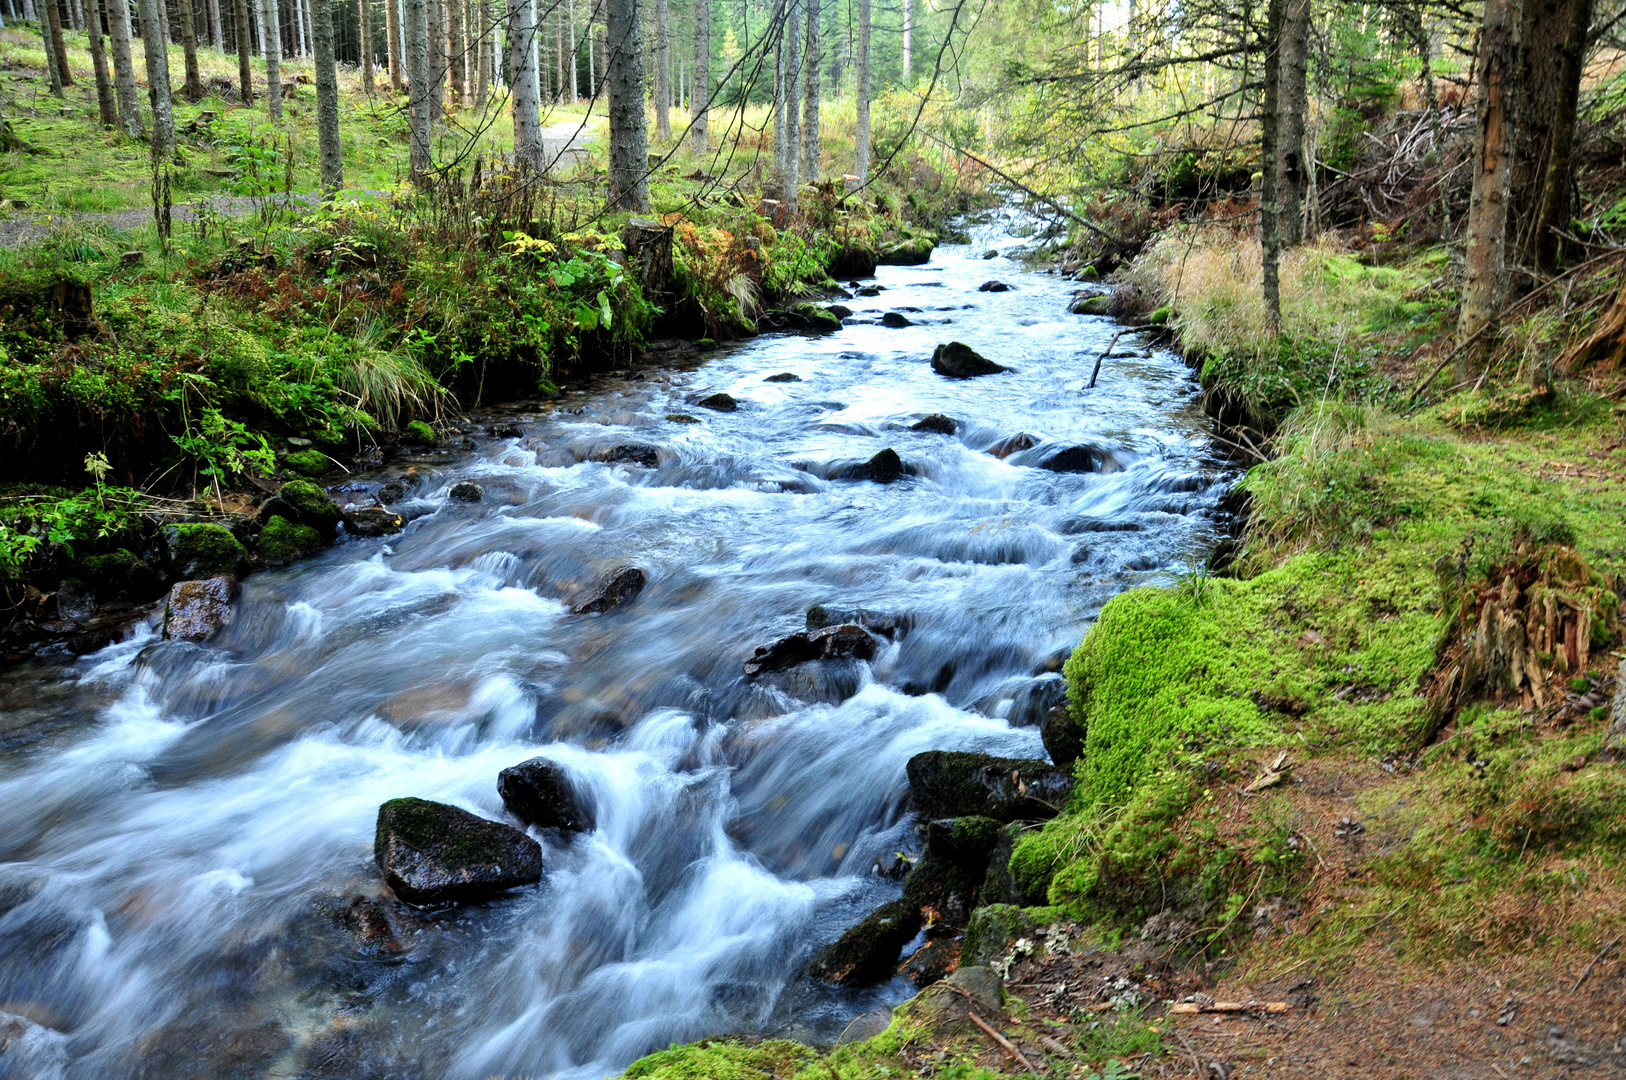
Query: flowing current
column 182, row 827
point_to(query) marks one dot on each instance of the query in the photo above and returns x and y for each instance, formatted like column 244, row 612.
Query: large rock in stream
column 432, row 854
column 845, row 641
column 957, row 360
column 540, row 792
column 196, row 610
column 952, row 783
column 868, row 953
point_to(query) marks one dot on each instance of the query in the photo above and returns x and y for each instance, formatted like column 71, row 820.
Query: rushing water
column 175, row 846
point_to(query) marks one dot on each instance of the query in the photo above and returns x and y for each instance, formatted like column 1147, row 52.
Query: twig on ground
column 1601, row 954
column 1009, row 1046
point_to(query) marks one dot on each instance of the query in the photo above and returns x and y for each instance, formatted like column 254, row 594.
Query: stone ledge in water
column 957, row 360
column 629, row 453
column 953, row 783
column 951, row 870
column 868, row 953
column 910, row 251
column 1090, row 304
column 466, row 491
column 784, row 376
column 196, row 610
column 372, row 521
column 934, row 960
column 883, row 468
column 431, row 853
column 881, row 623
column 993, row 286
column 848, row 640
column 895, row 320
column 302, row 503
column 282, row 541
column 618, row 587
column 719, row 402
column 937, row 424
column 539, row 792
column 1013, row 444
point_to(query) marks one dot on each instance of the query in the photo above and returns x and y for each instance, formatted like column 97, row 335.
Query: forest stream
column 181, row 839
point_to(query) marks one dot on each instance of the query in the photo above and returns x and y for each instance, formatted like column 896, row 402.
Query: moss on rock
column 283, row 541
column 204, row 550
column 419, row 433
column 307, row 462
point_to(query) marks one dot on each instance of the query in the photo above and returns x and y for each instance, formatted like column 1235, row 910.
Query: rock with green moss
column 992, row 929
column 121, row 573
column 910, row 251
column 307, row 462
column 1063, row 734
column 1090, row 305
column 945, row 1008
column 419, row 433
column 1159, row 316
column 204, row 550
column 951, row 869
column 303, row 503
column 868, row 953
column 1000, row 885
column 955, row 783
column 431, row 854
column 282, row 541
column 815, row 318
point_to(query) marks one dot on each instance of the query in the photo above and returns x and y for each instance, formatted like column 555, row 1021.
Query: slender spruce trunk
column 216, row 29
column 810, row 100
column 107, row 108
column 575, row 48
column 392, row 45
column 700, row 78
column 1292, row 174
column 124, row 83
column 527, row 119
column 437, row 59
column 1485, row 259
column 454, row 34
column 245, row 49
column 158, row 93
column 329, row 148
column 624, row 80
column 56, row 53
column 663, row 72
column 488, row 41
column 420, row 100
column 1555, row 195
column 793, row 103
column 1270, row 222
column 271, row 46
column 364, row 29
column 189, row 46
column 908, row 27
column 861, row 64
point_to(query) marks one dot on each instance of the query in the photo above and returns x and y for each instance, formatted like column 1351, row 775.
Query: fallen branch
column 1231, row 1007
column 1009, row 1046
column 1110, row 345
column 1601, row 953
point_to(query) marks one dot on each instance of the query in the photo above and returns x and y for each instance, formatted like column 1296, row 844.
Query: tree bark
column 107, row 108
column 482, row 85
column 56, row 53
column 329, row 148
column 364, row 29
column 907, row 27
column 810, row 102
column 700, row 79
column 1291, row 173
column 437, row 59
column 1535, row 86
column 454, row 34
column 791, row 180
column 392, row 45
column 861, row 66
column 777, row 29
column 575, row 48
column 216, row 29
column 1485, row 266
column 527, row 121
column 271, row 47
column 245, row 50
column 419, row 105
column 1555, row 195
column 189, row 46
column 1270, row 244
column 158, row 94
column 624, row 80
column 663, row 72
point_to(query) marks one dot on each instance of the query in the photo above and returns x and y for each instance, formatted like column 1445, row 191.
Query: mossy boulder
column 993, row 928
column 204, row 550
column 816, row 318
column 121, row 573
column 954, row 783
column 1000, row 885
column 282, row 541
column 307, row 462
column 1063, row 735
column 945, row 1008
column 957, row 360
column 303, row 503
column 950, row 872
column 431, row 853
column 853, row 261
column 910, row 251
column 1090, row 305
column 419, row 433
column 869, row 952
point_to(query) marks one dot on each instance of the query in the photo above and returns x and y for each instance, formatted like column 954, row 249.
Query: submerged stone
column 831, row 643
column 937, row 424
column 718, row 402
column 618, row 587
column 868, row 953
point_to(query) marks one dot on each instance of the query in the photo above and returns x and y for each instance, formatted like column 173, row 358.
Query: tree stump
column 648, row 246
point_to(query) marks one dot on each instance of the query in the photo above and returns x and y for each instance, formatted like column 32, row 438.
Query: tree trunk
column 392, row 45
column 216, row 28
column 793, row 103
column 271, row 47
column 810, row 108
column 1535, row 86
column 1555, row 195
column 861, row 66
column 189, row 46
column 419, row 106
column 624, row 80
column 106, row 105
column 437, row 59
column 455, row 42
column 700, row 79
column 56, row 52
column 245, row 50
column 575, row 48
column 907, row 27
column 663, row 72
column 364, row 29
column 1485, row 266
column 488, row 40
column 777, row 29
column 157, row 52
column 1290, row 169
column 329, row 148
column 1270, row 244
column 527, row 122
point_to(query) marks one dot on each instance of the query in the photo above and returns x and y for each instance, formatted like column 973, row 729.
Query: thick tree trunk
column 810, row 101
column 329, row 148
column 455, row 42
column 245, row 50
column 700, row 80
column 437, row 59
column 56, row 53
column 861, row 66
column 663, row 72
column 1270, row 126
column 271, row 47
column 1485, row 267
column 624, row 80
column 189, row 46
column 1555, row 195
column 107, row 108
column 1291, row 174
column 1535, row 86
column 158, row 94
column 419, row 104
column 364, row 29
column 527, row 122
column 216, row 29
column 392, row 44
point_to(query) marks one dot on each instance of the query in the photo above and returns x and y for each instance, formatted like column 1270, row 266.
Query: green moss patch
column 282, row 541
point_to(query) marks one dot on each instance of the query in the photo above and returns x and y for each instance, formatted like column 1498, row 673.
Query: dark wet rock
column 852, row 261
column 122, row 573
column 999, row 884
column 784, row 376
column 1088, row 304
column 629, row 454
column 204, row 550
column 303, row 503
column 1063, row 736
column 936, row 423
column 840, row 311
column 619, row 586
column 880, row 623
column 846, row 641
column 682, row 418
column 374, row 521
column 1081, row 555
column 932, row 961
column 950, row 872
column 816, row 318
column 466, row 491
column 195, row 610
column 1012, row 444
column 1079, row 459
column 993, row 286
column 539, row 792
column 506, row 431
column 954, row 783
column 431, row 853
column 868, row 290
column 956, row 360
column 911, row 251
column 895, row 320
column 883, row 468
column 868, row 953
column 392, row 492
column 718, row 402
column 944, row 1008
column 366, row 924
column 1074, row 526
column 992, row 930
column 1024, row 701
column 282, row 541
column 990, row 254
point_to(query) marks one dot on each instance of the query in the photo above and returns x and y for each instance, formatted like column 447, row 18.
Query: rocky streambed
column 702, row 700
